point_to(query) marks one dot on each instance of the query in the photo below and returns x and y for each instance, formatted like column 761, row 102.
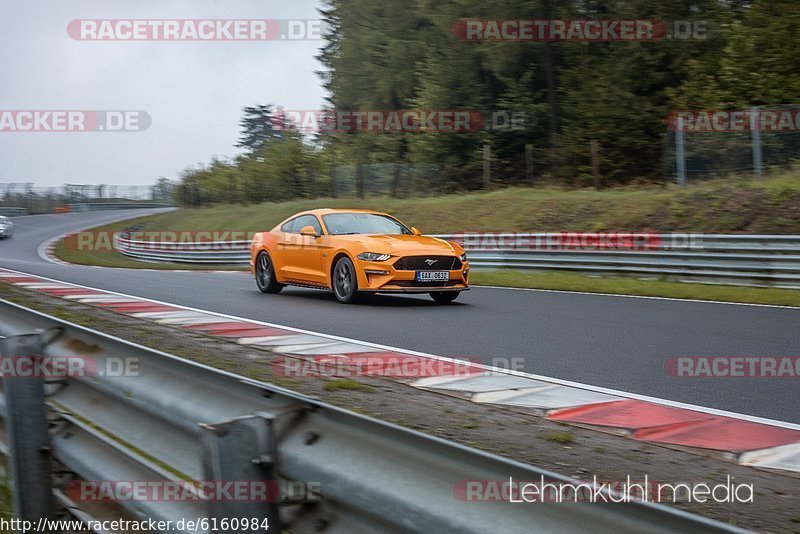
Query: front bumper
column 382, row 277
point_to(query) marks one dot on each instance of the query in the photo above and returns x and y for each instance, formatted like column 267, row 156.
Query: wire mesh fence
column 707, row 144
column 385, row 179
column 45, row 199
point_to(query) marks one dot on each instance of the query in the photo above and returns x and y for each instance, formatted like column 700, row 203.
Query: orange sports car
column 357, row 251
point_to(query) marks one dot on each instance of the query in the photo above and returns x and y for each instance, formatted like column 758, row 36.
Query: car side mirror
column 415, row 231
column 308, row 231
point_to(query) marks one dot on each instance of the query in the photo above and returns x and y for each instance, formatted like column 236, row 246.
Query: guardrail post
column 26, row 421
column 242, row 450
column 755, row 134
column 487, row 166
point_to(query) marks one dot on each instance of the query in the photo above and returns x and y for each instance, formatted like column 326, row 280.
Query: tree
column 257, row 127
column 164, row 190
column 614, row 95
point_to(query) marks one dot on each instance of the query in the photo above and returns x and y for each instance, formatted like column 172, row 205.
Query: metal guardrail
column 768, row 260
column 206, row 253
column 177, row 419
column 13, row 211
column 100, row 206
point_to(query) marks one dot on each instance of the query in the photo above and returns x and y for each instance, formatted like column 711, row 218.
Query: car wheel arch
column 265, row 250
column 339, row 255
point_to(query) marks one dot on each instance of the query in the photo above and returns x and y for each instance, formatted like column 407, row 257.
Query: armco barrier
column 178, row 420
column 13, row 212
column 102, row 206
column 768, row 260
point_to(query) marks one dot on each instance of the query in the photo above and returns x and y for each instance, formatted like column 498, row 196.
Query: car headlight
column 373, row 256
column 463, row 257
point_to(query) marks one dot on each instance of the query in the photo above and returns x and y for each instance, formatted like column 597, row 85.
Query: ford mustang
column 357, row 251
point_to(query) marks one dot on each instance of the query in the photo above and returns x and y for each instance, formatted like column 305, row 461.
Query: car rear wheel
column 345, row 282
column 265, row 275
column 444, row 297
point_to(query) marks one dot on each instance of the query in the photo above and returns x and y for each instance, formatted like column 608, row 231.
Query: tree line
column 594, row 111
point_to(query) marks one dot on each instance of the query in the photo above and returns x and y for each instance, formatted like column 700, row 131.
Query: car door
column 302, row 255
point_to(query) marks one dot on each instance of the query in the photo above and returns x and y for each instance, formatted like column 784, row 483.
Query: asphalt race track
column 614, row 342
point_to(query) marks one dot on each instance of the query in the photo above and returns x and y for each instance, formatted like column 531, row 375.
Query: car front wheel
column 444, row 297
column 345, row 282
column 265, row 275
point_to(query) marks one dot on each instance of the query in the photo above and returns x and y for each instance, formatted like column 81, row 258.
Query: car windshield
column 363, row 223
column 4, row 220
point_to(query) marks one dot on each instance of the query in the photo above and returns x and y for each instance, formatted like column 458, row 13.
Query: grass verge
column 724, row 206
column 766, row 206
column 68, row 250
column 114, row 259
column 632, row 286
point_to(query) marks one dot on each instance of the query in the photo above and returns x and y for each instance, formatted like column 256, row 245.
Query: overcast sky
column 193, row 91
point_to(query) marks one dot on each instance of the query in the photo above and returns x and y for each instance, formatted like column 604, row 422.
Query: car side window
column 288, row 226
column 306, row 220
column 295, row 225
column 315, row 224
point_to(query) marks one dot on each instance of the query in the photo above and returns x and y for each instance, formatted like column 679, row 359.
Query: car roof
column 328, row 211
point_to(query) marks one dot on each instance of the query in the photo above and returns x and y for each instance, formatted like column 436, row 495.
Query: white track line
column 42, row 250
column 588, row 387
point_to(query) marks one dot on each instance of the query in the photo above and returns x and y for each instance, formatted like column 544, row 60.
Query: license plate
column 433, row 276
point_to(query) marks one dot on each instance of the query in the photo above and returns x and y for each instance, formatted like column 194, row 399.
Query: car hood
column 403, row 243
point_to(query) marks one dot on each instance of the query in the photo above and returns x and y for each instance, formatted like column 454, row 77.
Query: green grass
column 633, row 286
column 113, row 259
column 347, row 385
column 558, row 437
column 66, row 250
column 715, row 206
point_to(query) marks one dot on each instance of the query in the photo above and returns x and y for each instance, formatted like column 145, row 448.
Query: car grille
column 421, row 263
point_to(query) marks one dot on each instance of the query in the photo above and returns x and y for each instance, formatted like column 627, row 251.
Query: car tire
column 344, row 281
column 265, row 275
column 444, row 297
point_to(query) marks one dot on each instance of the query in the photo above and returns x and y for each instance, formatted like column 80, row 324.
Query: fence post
column 359, row 180
column 244, row 449
column 680, row 158
column 595, row 150
column 529, row 163
column 26, row 422
column 487, row 166
column 333, row 180
column 755, row 134
column 396, row 175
